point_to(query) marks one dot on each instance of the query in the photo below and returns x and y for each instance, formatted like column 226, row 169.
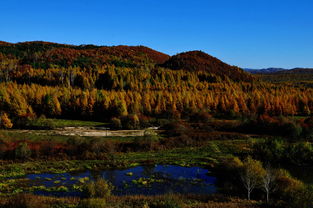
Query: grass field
column 61, row 123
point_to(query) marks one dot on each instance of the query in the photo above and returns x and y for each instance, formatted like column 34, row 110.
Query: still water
column 145, row 180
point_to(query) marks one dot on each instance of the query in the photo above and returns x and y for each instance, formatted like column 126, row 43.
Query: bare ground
column 91, row 132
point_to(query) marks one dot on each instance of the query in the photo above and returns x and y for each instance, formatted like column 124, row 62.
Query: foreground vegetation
column 167, row 201
column 217, row 155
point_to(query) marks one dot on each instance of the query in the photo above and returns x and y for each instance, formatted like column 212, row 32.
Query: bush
column 286, row 184
column 291, row 129
column 131, row 122
column 293, row 192
column 299, row 198
column 99, row 189
column 116, row 123
column 89, row 190
column 301, row 153
column 271, row 149
column 22, row 151
column 279, row 126
column 40, row 123
column 201, row 117
column 97, row 146
column 3, row 149
column 307, row 127
column 175, row 129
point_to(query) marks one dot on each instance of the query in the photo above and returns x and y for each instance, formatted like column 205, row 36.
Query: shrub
column 40, row 123
column 145, row 143
column 175, row 129
column 286, row 184
column 116, row 123
column 201, row 117
column 271, row 149
column 303, row 197
column 293, row 192
column 99, row 189
column 98, row 146
column 3, row 149
column 307, row 127
column 22, row 151
column 89, row 189
column 291, row 129
column 264, row 124
column 301, row 153
column 131, row 122
column 103, row 188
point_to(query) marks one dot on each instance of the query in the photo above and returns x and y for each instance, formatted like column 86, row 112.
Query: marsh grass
column 136, row 201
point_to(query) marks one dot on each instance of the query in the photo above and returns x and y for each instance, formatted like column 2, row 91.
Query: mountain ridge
column 41, row 54
column 279, row 70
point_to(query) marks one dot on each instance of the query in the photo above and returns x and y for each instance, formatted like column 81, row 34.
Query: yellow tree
column 251, row 174
column 5, row 122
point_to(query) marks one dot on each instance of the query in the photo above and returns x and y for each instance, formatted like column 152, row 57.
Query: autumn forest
column 96, row 83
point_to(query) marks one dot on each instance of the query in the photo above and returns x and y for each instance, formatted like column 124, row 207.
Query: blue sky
column 246, row 33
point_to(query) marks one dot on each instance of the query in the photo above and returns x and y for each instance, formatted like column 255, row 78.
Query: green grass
column 49, row 135
column 207, row 156
column 15, row 135
column 61, row 123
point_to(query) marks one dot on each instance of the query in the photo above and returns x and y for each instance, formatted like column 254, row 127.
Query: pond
column 144, row 180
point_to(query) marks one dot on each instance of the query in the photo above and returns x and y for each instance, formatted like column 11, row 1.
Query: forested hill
column 137, row 83
column 200, row 61
column 45, row 55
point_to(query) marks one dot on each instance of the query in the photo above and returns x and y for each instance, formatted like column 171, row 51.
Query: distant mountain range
column 280, row 71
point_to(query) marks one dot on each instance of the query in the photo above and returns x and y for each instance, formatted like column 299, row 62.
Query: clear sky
column 246, row 33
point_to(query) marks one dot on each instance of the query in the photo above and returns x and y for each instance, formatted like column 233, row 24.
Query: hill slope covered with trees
column 103, row 83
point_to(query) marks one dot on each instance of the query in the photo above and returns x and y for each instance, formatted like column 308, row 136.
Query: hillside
column 101, row 83
column 46, row 55
column 200, row 61
column 40, row 54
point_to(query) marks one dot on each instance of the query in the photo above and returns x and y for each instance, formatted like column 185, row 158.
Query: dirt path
column 90, row 131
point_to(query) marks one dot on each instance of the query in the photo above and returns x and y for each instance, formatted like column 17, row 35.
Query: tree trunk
column 267, row 196
column 248, row 195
